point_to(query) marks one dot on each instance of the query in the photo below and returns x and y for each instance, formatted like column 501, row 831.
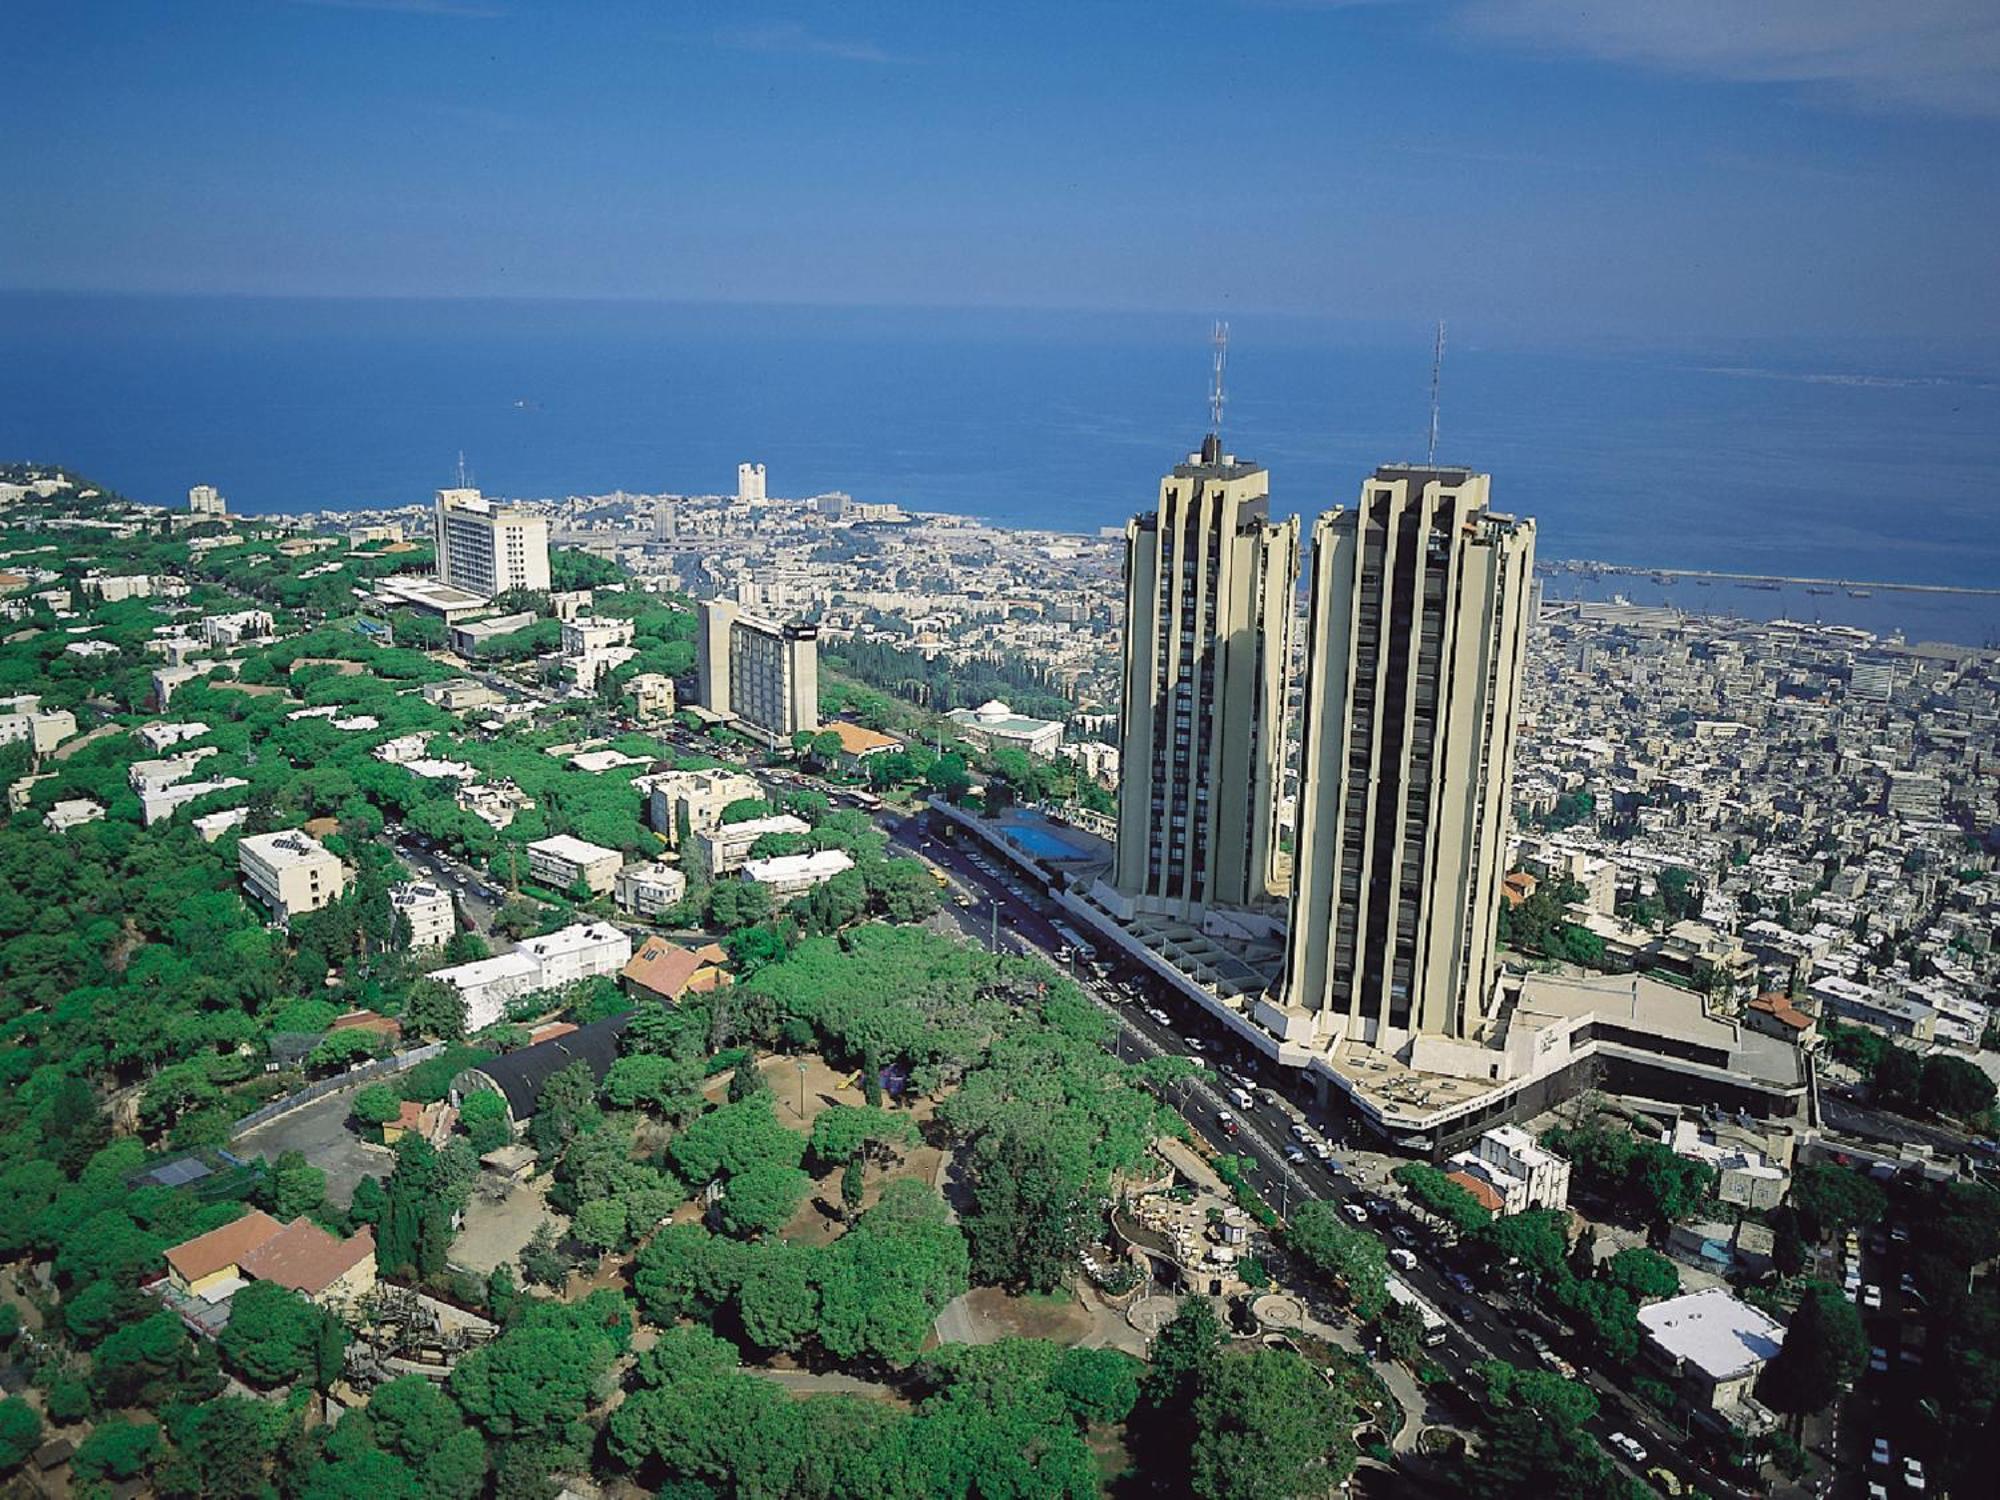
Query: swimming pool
column 1043, row 842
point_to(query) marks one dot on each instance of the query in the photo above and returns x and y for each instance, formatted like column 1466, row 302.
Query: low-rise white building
column 1712, row 1346
column 38, row 728
column 235, row 628
column 789, row 876
column 997, row 727
column 562, row 860
column 158, row 737
column 693, row 800
column 427, row 907
column 212, row 826
column 158, row 802
column 1525, row 1176
column 722, row 850
column 488, row 986
column 149, row 775
column 647, row 890
column 72, row 814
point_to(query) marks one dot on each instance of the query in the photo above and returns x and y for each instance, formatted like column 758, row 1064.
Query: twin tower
column 1416, row 628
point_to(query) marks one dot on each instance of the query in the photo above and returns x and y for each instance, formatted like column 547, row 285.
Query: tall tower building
column 1415, row 636
column 487, row 548
column 1208, row 622
column 762, row 672
column 750, row 484
column 206, row 500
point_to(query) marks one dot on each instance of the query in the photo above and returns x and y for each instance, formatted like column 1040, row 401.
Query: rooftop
column 281, row 850
column 1713, row 1331
column 575, row 850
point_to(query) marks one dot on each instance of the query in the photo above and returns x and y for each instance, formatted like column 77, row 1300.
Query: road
column 998, row 905
column 477, row 897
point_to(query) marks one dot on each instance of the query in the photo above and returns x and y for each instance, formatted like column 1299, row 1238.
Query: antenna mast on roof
column 1219, row 341
column 1437, row 373
column 461, row 469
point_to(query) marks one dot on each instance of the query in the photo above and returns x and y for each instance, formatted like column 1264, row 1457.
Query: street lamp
column 802, row 1088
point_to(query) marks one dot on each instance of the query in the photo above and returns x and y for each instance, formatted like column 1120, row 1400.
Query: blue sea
column 1879, row 465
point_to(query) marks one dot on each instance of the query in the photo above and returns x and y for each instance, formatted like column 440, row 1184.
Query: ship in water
column 1860, row 594
column 1819, row 591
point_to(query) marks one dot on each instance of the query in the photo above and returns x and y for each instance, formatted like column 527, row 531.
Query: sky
column 1563, row 171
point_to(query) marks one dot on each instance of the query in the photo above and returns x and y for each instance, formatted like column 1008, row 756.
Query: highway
column 1485, row 1323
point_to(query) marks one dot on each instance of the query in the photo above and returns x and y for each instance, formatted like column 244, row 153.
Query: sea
column 1873, row 466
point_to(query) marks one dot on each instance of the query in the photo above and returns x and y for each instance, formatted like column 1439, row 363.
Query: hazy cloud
column 1936, row 55
column 790, row 37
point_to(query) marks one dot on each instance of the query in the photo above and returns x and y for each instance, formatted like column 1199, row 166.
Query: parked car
column 1879, row 1452
column 1878, row 1360
column 1628, row 1445
column 1354, row 1211
column 1871, row 1297
column 1402, row 1260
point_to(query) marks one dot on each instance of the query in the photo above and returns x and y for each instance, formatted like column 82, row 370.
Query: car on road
column 1295, row 1156
column 1666, row 1481
column 1301, row 1130
column 1878, row 1360
column 1159, row 1015
column 1403, row 1235
column 1871, row 1297
column 1402, row 1260
column 1226, row 1120
column 1354, row 1211
column 1913, row 1473
column 1877, row 1490
column 1879, row 1453
column 1463, row 1282
column 1628, row 1445
column 1196, row 1044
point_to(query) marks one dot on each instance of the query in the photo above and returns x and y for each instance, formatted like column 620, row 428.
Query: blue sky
column 1551, row 170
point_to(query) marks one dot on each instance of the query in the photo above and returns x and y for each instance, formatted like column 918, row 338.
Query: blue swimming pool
column 1043, row 842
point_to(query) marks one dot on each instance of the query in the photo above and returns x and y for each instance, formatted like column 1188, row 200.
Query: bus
column 1433, row 1322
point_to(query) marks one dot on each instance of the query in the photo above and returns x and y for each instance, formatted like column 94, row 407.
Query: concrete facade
column 290, row 872
column 488, row 549
column 763, row 673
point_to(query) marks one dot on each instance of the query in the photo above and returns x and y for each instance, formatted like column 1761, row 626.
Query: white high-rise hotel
column 488, row 549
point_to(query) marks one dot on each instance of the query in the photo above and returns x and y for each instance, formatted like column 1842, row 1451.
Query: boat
column 1769, row 588
column 1819, row 591
column 1702, row 583
column 1860, row 594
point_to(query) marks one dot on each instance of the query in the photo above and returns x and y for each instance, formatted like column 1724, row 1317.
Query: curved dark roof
column 521, row 1076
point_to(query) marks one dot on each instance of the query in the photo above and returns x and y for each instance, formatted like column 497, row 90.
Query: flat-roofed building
column 721, row 850
column 789, row 876
column 1712, row 1346
column 650, row 889
column 1863, row 1005
column 427, row 907
column 762, row 672
column 72, row 813
column 40, row 729
column 561, row 861
column 161, row 802
column 473, row 637
column 652, row 695
column 430, row 596
column 487, row 548
column 1523, row 1175
column 679, row 803
column 583, row 950
column 289, row 872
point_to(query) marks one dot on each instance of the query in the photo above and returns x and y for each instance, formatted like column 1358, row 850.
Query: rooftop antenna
column 1437, row 373
column 461, row 465
column 1219, row 341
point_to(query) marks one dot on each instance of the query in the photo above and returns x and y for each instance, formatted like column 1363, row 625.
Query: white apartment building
column 235, row 628
column 559, row 862
column 789, row 876
column 488, row 549
column 116, row 588
column 750, row 484
column 647, row 890
column 206, row 500
column 652, row 695
column 159, row 802
column 290, row 872
column 158, row 737
column 72, row 814
column 212, row 826
column 427, row 907
column 41, row 729
column 489, row 985
column 694, row 798
column 1525, row 1176
column 149, row 775
column 723, row 849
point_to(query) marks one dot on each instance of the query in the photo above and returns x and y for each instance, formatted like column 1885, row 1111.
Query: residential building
column 40, row 729
column 159, row 802
column 488, row 986
column 289, row 872
column 459, row 694
column 73, row 813
column 1415, row 651
column 995, row 726
column 116, row 588
column 149, row 775
column 649, row 889
column 858, row 744
column 494, row 802
column 489, row 549
column 235, row 628
column 158, row 737
column 665, row 971
column 1913, row 794
column 1776, row 1015
column 789, row 876
column 212, row 826
column 1208, row 630
column 427, row 907
column 1872, row 681
column 750, row 484
column 1521, row 1173
column 1711, row 1345
column 693, row 800
column 761, row 674
column 1859, row 1004
column 652, row 695
column 384, row 533
column 721, row 850
column 590, row 635
column 206, row 500
column 561, row 861
column 472, row 637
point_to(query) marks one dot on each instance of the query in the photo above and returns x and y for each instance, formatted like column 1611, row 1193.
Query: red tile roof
column 222, row 1248
column 669, row 970
column 1489, row 1198
column 306, row 1258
